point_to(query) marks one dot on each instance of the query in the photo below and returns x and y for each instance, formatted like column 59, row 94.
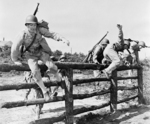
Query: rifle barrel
column 36, row 9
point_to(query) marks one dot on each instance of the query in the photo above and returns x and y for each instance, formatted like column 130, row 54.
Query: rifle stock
column 90, row 52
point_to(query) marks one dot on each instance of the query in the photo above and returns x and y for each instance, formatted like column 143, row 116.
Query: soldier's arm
column 49, row 34
column 15, row 52
column 120, row 35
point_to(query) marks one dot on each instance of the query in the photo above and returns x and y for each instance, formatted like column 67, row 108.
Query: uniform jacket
column 25, row 38
column 98, row 53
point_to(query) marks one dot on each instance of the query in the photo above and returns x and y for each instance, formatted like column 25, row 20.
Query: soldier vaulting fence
column 69, row 97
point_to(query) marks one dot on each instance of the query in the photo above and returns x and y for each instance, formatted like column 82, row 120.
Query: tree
column 57, row 53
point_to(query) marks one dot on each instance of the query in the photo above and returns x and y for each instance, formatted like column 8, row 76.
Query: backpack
column 43, row 24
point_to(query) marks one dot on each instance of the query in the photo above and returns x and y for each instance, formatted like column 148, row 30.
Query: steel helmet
column 62, row 57
column 142, row 43
column 105, row 41
column 127, row 42
column 31, row 19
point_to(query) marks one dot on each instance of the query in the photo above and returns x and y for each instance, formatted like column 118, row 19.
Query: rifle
column 90, row 52
column 36, row 9
column 136, row 42
column 147, row 46
column 132, row 40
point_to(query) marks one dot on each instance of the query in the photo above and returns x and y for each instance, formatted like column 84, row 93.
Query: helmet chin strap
column 32, row 30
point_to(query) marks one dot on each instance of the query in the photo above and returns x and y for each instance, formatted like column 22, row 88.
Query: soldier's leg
column 52, row 69
column 38, row 106
column 37, row 76
column 113, row 56
column 26, row 80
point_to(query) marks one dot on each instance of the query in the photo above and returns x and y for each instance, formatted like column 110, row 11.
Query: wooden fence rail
column 68, row 84
column 55, row 99
column 18, row 86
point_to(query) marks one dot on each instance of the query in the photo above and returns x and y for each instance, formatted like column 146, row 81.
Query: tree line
column 5, row 52
column 75, row 57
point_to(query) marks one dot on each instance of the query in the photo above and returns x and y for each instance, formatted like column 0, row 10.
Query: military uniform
column 98, row 54
column 111, row 53
column 134, row 48
column 38, row 51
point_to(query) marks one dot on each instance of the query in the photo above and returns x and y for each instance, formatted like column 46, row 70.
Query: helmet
column 62, row 57
column 105, row 41
column 127, row 42
column 31, row 19
column 142, row 43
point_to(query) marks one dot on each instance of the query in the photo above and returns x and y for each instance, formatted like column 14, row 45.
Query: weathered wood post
column 113, row 92
column 68, row 87
column 140, row 81
column 140, row 86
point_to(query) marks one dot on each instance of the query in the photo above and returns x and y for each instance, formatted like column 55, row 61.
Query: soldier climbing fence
column 69, row 97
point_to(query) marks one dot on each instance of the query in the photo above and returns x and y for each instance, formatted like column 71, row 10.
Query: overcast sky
column 82, row 22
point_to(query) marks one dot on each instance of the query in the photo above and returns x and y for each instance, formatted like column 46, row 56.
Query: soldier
column 135, row 47
column 111, row 52
column 98, row 55
column 39, row 50
column 98, row 52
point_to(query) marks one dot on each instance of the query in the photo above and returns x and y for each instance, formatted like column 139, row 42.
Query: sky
column 82, row 22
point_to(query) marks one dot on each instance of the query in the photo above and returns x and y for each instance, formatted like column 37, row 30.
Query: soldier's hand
column 19, row 63
column 119, row 26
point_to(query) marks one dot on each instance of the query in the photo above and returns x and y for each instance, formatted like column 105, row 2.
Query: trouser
column 33, row 65
column 112, row 55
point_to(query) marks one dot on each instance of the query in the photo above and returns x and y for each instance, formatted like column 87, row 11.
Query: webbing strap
column 30, row 44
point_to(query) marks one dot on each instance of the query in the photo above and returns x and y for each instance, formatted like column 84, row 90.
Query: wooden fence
column 69, row 97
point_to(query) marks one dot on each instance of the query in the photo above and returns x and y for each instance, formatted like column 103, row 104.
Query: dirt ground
column 23, row 115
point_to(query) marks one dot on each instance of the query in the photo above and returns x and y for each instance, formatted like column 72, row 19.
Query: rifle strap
column 30, row 44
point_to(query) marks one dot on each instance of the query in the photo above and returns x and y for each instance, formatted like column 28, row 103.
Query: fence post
column 113, row 92
column 140, row 86
column 69, row 95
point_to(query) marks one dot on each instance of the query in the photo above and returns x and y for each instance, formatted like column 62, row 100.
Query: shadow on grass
column 116, row 117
